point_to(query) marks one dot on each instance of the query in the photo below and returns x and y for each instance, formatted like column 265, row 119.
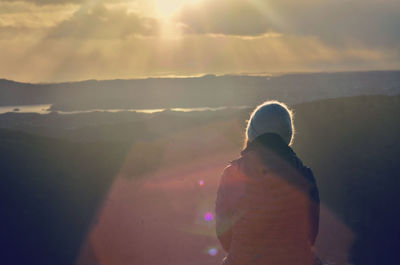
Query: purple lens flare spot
column 208, row 216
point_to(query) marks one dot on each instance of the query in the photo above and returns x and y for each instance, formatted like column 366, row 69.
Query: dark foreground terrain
column 124, row 188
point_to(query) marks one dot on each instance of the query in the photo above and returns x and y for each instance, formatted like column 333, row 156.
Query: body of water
column 45, row 109
column 40, row 108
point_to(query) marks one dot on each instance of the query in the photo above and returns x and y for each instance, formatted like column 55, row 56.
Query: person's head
column 270, row 117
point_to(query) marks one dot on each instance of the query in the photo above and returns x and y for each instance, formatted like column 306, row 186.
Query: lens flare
column 212, row 251
column 201, row 182
column 208, row 216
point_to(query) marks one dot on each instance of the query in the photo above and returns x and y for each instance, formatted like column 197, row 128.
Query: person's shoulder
column 231, row 170
column 305, row 171
column 231, row 166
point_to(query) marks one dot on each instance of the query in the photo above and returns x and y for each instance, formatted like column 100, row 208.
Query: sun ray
column 166, row 8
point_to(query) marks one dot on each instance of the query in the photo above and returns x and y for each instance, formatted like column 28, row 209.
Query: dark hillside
column 353, row 146
column 50, row 191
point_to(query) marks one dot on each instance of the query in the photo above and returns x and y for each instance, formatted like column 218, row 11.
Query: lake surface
column 40, row 108
column 45, row 109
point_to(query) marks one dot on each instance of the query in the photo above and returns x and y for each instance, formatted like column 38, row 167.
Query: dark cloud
column 12, row 32
column 64, row 2
column 365, row 22
column 231, row 17
column 100, row 22
column 46, row 2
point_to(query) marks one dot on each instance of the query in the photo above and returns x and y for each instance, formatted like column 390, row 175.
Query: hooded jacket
column 267, row 207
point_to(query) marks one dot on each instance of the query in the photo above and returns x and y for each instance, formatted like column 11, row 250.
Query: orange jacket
column 267, row 208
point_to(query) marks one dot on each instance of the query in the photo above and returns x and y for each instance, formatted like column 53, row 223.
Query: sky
column 70, row 40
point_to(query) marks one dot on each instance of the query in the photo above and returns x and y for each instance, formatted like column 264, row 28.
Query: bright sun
column 167, row 7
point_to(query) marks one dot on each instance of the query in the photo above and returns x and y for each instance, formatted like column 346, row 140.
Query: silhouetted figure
column 267, row 207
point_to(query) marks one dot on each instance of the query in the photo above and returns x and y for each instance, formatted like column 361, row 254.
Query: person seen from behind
column 267, row 206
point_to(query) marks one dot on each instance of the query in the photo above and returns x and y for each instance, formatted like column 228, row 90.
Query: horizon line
column 202, row 75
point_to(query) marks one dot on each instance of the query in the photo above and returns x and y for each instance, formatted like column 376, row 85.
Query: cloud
column 25, row 20
column 101, row 22
column 46, row 2
column 368, row 22
column 74, row 59
column 337, row 22
column 8, row 33
column 231, row 17
column 115, row 39
column 66, row 2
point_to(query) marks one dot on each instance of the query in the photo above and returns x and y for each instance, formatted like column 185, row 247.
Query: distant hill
column 209, row 90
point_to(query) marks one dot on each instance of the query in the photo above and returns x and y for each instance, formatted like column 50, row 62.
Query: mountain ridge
column 208, row 90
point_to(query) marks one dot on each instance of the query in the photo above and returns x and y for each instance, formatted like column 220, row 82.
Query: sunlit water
column 45, row 109
column 40, row 108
